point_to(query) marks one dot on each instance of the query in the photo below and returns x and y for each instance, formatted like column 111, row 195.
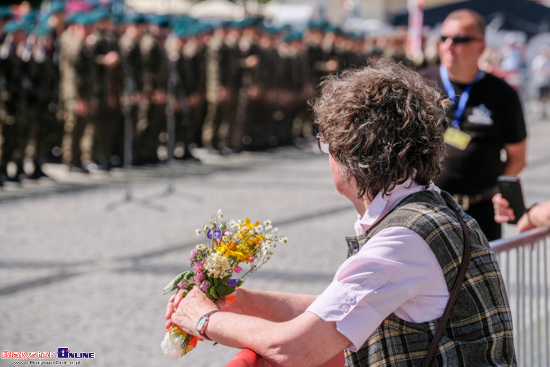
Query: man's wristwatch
column 203, row 323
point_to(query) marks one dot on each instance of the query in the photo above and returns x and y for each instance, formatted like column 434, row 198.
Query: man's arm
column 538, row 216
column 515, row 158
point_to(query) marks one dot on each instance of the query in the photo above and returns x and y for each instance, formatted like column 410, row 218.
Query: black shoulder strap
column 454, row 294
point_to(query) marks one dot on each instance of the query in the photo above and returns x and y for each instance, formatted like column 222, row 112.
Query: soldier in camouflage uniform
column 5, row 16
column 78, row 72
column 215, row 91
column 108, row 143
column 132, row 73
column 229, row 83
column 251, row 97
column 46, row 128
column 155, row 82
column 192, row 71
column 293, row 62
column 14, row 129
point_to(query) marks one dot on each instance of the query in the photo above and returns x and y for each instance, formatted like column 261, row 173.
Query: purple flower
column 199, row 278
column 217, row 233
column 233, row 282
column 181, row 285
column 214, row 234
column 204, row 286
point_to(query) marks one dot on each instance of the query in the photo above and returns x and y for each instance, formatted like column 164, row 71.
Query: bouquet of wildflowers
column 216, row 266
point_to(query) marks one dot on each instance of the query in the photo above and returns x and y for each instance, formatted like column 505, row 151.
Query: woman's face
column 345, row 188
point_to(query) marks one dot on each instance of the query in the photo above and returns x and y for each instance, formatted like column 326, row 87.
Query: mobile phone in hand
column 510, row 189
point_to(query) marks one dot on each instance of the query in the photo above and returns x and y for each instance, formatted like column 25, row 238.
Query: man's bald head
column 468, row 16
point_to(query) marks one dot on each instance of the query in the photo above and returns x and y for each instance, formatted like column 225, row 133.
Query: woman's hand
column 187, row 311
column 171, row 306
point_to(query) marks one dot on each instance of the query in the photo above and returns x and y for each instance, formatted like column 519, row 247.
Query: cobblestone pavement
column 82, row 267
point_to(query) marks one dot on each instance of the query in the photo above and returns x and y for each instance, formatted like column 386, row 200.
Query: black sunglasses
column 458, row 40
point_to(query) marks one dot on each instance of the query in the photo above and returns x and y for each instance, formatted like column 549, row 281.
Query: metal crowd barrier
column 525, row 264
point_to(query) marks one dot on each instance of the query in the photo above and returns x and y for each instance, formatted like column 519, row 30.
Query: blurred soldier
column 216, row 92
column 235, row 79
column 5, row 16
column 192, row 71
column 53, row 28
column 351, row 51
column 330, row 62
column 313, row 37
column 268, row 122
column 155, row 82
column 132, row 73
column 78, row 72
column 14, row 133
column 293, row 61
column 108, row 86
column 47, row 129
column 250, row 97
column 396, row 48
column 227, row 93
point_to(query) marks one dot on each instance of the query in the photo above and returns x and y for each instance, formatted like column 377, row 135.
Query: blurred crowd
column 97, row 89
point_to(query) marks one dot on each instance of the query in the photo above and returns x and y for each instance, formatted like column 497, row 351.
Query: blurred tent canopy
column 219, row 9
column 160, row 6
column 287, row 13
column 522, row 15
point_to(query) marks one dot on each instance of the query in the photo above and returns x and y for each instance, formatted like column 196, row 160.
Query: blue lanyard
column 460, row 105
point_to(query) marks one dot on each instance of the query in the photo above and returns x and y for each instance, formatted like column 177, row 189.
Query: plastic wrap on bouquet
column 177, row 343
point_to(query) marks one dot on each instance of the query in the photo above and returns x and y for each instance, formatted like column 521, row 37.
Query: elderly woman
column 382, row 127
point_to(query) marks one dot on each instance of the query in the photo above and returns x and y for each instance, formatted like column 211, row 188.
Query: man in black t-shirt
column 486, row 118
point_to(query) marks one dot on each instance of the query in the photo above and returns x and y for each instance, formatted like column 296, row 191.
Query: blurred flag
column 414, row 38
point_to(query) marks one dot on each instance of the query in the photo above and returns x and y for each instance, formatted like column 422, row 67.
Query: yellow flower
column 232, row 250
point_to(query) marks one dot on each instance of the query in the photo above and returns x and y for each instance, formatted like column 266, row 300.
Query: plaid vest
column 479, row 331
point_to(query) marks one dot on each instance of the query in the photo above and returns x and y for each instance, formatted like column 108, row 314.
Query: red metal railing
column 245, row 358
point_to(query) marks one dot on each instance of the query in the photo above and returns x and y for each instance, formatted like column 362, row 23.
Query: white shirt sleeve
column 395, row 272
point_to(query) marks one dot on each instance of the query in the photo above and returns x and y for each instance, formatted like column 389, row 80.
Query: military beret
column 293, row 36
column 159, row 20
column 13, row 26
column 203, row 28
column 5, row 12
column 182, row 31
column 329, row 28
column 57, row 7
column 247, row 22
column 99, row 14
column 81, row 18
column 42, row 29
column 316, row 25
column 183, row 21
column 133, row 18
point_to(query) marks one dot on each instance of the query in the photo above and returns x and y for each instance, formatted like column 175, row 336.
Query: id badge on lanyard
column 453, row 136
